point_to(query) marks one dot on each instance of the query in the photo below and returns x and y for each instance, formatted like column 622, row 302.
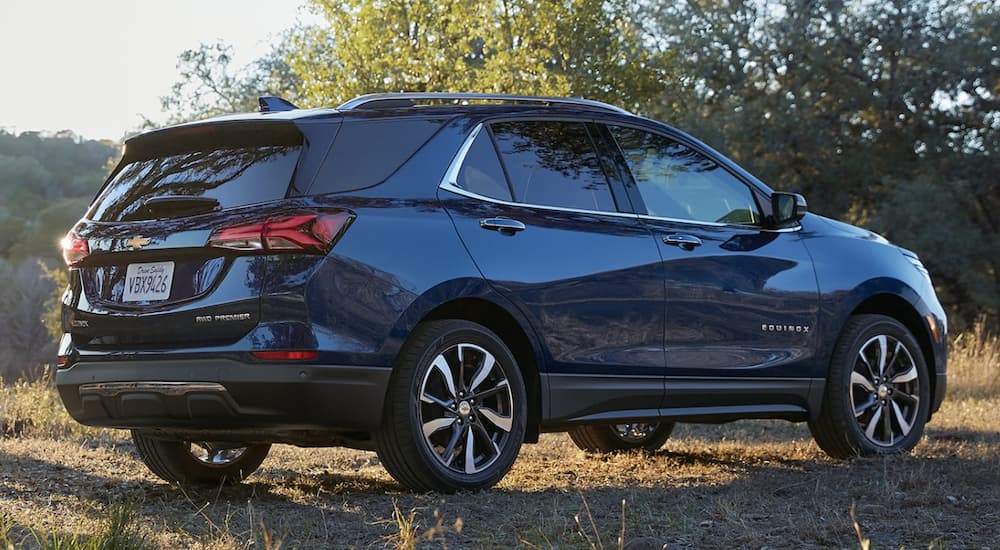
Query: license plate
column 148, row 282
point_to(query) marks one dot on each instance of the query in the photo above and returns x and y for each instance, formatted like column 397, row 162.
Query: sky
column 97, row 67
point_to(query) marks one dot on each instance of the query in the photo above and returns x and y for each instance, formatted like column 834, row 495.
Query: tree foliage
column 882, row 113
column 546, row 47
column 886, row 114
column 208, row 85
column 46, row 183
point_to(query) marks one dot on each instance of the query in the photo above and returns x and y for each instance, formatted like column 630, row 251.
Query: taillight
column 294, row 233
column 74, row 249
column 286, row 355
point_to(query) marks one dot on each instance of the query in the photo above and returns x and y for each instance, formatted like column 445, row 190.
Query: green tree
column 865, row 107
column 545, row 47
column 208, row 85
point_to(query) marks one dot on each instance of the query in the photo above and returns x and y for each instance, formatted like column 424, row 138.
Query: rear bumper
column 224, row 394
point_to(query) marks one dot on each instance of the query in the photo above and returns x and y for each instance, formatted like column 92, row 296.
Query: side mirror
column 787, row 208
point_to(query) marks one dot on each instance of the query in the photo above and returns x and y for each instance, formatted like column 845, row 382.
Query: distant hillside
column 46, row 183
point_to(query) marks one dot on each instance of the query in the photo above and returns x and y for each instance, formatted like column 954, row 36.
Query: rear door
column 544, row 225
column 149, row 278
column 741, row 299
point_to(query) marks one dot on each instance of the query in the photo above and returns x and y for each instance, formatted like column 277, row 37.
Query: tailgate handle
column 687, row 242
column 506, row 226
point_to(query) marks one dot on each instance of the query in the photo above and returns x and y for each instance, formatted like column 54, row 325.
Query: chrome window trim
column 720, row 224
column 459, row 191
column 450, row 183
column 451, row 176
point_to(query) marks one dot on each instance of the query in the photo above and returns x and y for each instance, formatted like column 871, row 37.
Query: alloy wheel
column 213, row 455
column 465, row 409
column 635, row 432
column 885, row 390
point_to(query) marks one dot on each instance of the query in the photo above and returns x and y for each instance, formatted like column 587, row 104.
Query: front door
column 542, row 223
column 741, row 299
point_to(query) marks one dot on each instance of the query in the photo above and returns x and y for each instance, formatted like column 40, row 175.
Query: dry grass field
column 741, row 485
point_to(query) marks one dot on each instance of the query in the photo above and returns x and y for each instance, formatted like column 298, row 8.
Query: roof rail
column 409, row 99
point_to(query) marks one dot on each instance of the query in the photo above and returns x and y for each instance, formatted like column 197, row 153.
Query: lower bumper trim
column 113, row 389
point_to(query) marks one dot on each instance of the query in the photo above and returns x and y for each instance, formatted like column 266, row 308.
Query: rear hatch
column 148, row 269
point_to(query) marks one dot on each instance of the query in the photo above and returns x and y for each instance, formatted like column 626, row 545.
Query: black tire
column 175, row 461
column 872, row 403
column 419, row 400
column 610, row 438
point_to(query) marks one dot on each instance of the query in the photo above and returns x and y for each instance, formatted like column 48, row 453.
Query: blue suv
column 441, row 277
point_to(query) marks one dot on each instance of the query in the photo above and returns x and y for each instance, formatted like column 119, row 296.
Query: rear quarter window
column 553, row 163
column 367, row 152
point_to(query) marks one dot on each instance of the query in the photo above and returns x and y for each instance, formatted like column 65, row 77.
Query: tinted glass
column 367, row 152
column 553, row 164
column 677, row 182
column 233, row 176
column 481, row 172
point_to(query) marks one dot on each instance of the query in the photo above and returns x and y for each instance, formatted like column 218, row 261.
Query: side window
column 553, row 164
column 678, row 182
column 481, row 172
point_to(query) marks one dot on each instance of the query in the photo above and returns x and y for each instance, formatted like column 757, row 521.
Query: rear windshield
column 233, row 172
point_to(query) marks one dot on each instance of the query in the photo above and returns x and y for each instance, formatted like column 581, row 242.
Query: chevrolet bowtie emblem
column 137, row 242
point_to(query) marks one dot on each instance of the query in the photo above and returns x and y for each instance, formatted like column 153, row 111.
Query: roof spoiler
column 272, row 104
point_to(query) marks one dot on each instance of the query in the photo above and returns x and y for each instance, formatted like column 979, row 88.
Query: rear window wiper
column 179, row 205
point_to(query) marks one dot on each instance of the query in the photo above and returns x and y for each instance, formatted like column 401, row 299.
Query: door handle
column 687, row 242
column 506, row 226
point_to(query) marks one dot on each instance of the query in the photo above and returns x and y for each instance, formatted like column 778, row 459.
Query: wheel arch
column 499, row 320
column 897, row 307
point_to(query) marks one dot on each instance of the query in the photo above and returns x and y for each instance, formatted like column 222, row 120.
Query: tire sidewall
column 469, row 333
column 879, row 326
column 171, row 460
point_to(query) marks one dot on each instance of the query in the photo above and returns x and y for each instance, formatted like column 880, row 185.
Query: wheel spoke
column 868, row 365
column 870, row 430
column 895, row 356
column 497, row 419
column 441, row 365
column 908, row 397
column 858, row 379
column 860, row 409
column 887, row 427
column 502, row 385
column 461, row 368
column 908, row 375
column 904, row 426
column 486, row 435
column 428, row 398
column 449, row 451
column 470, row 452
column 483, row 371
column 437, row 425
column 883, row 347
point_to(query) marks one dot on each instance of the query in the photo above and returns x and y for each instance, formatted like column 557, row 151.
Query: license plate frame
column 148, row 282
